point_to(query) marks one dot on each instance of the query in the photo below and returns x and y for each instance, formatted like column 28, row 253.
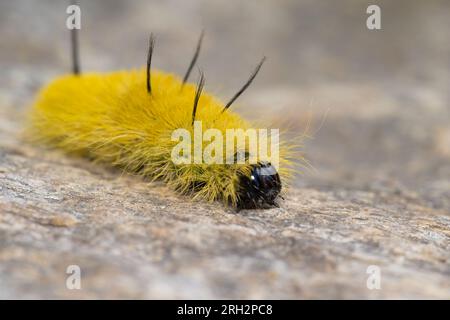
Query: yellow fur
column 111, row 118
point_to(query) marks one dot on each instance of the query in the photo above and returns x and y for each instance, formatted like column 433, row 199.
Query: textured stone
column 378, row 193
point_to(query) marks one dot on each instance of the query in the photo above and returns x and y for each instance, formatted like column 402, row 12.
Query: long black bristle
column 198, row 92
column 151, row 44
column 75, row 48
column 194, row 58
column 75, row 52
column 246, row 85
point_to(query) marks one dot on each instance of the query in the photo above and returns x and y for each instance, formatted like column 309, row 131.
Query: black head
column 260, row 189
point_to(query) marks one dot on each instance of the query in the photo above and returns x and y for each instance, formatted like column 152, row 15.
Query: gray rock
column 379, row 193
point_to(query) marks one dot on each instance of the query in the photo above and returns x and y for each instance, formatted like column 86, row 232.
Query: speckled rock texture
column 377, row 192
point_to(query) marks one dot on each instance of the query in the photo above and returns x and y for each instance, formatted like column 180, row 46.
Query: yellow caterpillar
column 126, row 119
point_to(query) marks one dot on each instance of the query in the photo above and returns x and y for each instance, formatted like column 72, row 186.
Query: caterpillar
column 126, row 119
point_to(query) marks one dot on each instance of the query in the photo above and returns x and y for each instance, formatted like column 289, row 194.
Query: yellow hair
column 111, row 118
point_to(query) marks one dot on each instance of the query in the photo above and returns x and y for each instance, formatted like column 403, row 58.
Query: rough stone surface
column 378, row 191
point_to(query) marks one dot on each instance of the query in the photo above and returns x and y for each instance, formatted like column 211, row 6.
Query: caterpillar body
column 126, row 119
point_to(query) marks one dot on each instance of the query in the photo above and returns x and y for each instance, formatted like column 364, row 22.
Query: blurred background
column 379, row 104
column 382, row 95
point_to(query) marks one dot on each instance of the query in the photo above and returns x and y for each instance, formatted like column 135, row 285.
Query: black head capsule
column 260, row 189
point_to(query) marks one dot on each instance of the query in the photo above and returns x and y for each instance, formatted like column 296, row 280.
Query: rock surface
column 378, row 195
